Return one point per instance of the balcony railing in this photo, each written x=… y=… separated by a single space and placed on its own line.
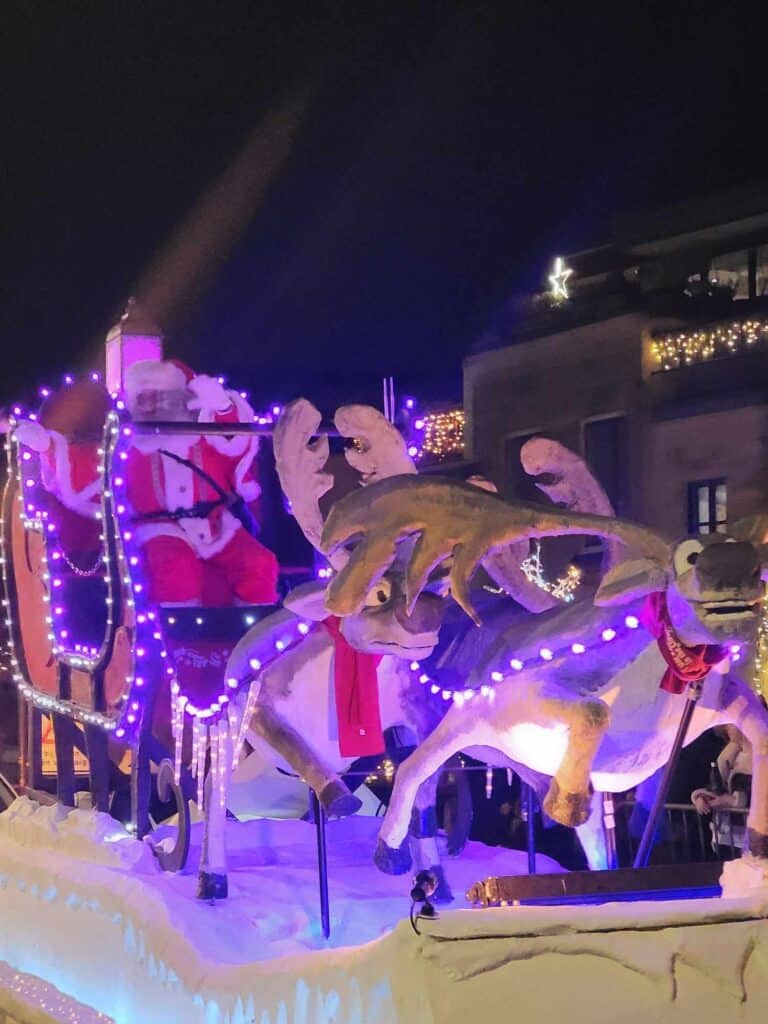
x=684 y=348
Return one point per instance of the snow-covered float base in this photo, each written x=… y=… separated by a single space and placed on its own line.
x=84 y=907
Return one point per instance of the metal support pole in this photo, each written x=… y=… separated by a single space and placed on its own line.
x=649 y=834
x=609 y=831
x=529 y=810
x=322 y=862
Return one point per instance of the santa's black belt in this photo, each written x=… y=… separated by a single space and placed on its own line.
x=199 y=511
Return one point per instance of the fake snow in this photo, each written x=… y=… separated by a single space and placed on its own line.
x=84 y=907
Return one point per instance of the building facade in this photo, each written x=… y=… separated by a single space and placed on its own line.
x=649 y=355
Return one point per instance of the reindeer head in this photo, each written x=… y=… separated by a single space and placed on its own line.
x=381 y=624
x=713 y=584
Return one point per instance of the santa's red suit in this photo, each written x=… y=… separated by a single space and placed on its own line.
x=176 y=548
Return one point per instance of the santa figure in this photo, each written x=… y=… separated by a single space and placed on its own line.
x=188 y=493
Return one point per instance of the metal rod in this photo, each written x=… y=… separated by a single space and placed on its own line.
x=609 y=831
x=649 y=833
x=322 y=862
x=187 y=427
x=530 y=826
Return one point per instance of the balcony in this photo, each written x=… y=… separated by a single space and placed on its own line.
x=700 y=369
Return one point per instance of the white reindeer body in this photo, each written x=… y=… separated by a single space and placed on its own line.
x=643 y=721
x=299 y=687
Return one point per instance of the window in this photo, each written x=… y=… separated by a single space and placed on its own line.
x=744 y=272
x=605 y=449
x=761 y=271
x=732 y=270
x=707 y=506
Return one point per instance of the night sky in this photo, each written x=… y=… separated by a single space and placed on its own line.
x=313 y=196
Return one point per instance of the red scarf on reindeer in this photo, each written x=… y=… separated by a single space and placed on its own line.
x=356 y=686
x=685 y=664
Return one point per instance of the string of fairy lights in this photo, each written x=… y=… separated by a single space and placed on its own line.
x=684 y=348
x=434 y=436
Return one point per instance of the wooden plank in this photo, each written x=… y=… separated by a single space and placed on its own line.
x=575 y=885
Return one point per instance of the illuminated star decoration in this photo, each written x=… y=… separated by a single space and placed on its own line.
x=559 y=280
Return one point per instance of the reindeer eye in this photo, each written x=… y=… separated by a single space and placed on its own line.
x=379 y=595
x=686 y=555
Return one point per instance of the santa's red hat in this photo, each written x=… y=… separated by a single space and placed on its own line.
x=156 y=375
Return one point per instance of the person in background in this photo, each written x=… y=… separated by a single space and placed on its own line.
x=729 y=790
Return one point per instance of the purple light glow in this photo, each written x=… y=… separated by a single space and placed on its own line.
x=69 y=379
x=409 y=403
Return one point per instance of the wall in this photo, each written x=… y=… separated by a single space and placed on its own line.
x=732 y=443
x=551 y=385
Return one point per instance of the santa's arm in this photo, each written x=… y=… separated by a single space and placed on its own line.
x=215 y=404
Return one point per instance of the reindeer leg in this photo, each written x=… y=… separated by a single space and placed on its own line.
x=422 y=838
x=332 y=792
x=452 y=734
x=591 y=835
x=569 y=798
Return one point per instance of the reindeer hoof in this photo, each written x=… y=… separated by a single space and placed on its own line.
x=392 y=860
x=442 y=893
x=757 y=844
x=211 y=886
x=337 y=800
x=570 y=809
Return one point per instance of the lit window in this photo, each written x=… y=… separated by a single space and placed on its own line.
x=762 y=271
x=707 y=506
x=731 y=270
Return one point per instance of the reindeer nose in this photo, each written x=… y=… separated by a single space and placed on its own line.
x=728 y=566
x=426 y=616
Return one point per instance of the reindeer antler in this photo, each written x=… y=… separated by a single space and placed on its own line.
x=300 y=462
x=567 y=480
x=380 y=450
x=450 y=518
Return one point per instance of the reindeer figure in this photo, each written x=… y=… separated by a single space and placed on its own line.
x=294 y=656
x=572 y=695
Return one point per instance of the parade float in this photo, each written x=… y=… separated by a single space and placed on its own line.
x=145 y=625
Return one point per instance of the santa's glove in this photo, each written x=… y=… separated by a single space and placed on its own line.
x=208 y=394
x=32 y=435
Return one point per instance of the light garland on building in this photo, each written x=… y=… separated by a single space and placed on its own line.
x=687 y=347
x=434 y=436
x=760 y=671
x=563 y=588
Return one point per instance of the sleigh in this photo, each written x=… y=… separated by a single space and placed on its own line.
x=94 y=661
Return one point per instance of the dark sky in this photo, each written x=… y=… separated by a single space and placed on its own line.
x=316 y=195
